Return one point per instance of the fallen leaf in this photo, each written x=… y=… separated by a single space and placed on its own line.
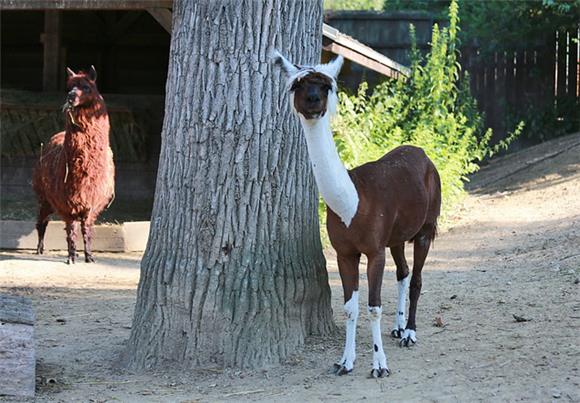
x=521 y=318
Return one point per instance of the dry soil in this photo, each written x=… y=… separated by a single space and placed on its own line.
x=513 y=249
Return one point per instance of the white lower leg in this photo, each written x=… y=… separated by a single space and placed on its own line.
x=351 y=312
x=379 y=357
x=400 y=321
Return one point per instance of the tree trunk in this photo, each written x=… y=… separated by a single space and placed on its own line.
x=233 y=274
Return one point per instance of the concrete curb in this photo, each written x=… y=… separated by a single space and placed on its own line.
x=126 y=237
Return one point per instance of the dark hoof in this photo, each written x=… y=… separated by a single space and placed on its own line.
x=340 y=370
x=39 y=251
x=89 y=259
x=380 y=373
x=397 y=333
x=70 y=260
x=407 y=342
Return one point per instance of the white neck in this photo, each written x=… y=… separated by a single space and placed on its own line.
x=334 y=183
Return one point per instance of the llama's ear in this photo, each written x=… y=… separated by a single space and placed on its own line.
x=93 y=74
x=69 y=72
x=334 y=66
x=286 y=65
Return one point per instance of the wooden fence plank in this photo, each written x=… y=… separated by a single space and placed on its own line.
x=561 y=72
x=51 y=57
x=510 y=83
x=573 y=68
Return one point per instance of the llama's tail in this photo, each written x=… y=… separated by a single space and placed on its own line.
x=428 y=231
x=434 y=231
x=433 y=188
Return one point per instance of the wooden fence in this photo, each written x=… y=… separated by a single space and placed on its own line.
x=540 y=85
x=387 y=33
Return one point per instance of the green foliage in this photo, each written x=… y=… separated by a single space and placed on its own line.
x=498 y=25
x=432 y=109
x=376 y=5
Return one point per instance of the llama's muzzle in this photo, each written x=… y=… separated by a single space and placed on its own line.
x=73 y=97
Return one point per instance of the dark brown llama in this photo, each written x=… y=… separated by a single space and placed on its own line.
x=383 y=203
x=75 y=175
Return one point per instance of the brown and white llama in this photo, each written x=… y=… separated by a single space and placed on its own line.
x=380 y=204
x=75 y=175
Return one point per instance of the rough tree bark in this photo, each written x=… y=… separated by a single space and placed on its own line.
x=233 y=274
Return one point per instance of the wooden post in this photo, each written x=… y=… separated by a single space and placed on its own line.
x=163 y=16
x=560 y=81
x=574 y=65
x=17 y=361
x=51 y=73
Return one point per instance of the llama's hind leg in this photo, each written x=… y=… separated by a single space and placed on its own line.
x=71 y=237
x=375 y=270
x=422 y=243
x=398 y=253
x=87 y=231
x=348 y=269
x=44 y=213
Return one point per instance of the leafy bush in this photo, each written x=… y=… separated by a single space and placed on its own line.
x=432 y=109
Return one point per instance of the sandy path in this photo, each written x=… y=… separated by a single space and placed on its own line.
x=514 y=248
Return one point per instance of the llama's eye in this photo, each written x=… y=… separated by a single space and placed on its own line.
x=295 y=86
x=327 y=88
x=86 y=88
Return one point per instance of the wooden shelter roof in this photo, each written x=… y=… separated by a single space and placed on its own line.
x=334 y=40
x=84 y=4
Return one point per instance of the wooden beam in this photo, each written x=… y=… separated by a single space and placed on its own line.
x=352 y=49
x=116 y=31
x=362 y=60
x=163 y=16
x=84 y=4
x=51 y=39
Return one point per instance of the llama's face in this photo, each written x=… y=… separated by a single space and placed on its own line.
x=311 y=95
x=312 y=89
x=81 y=88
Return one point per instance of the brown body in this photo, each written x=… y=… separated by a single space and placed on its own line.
x=398 y=195
x=399 y=201
x=74 y=176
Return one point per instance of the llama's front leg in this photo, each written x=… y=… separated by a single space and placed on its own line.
x=380 y=368
x=398 y=253
x=71 y=236
x=348 y=268
x=422 y=243
x=375 y=270
x=87 y=231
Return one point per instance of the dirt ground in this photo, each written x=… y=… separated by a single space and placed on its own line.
x=512 y=249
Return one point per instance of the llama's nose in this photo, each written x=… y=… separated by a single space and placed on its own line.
x=313 y=98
